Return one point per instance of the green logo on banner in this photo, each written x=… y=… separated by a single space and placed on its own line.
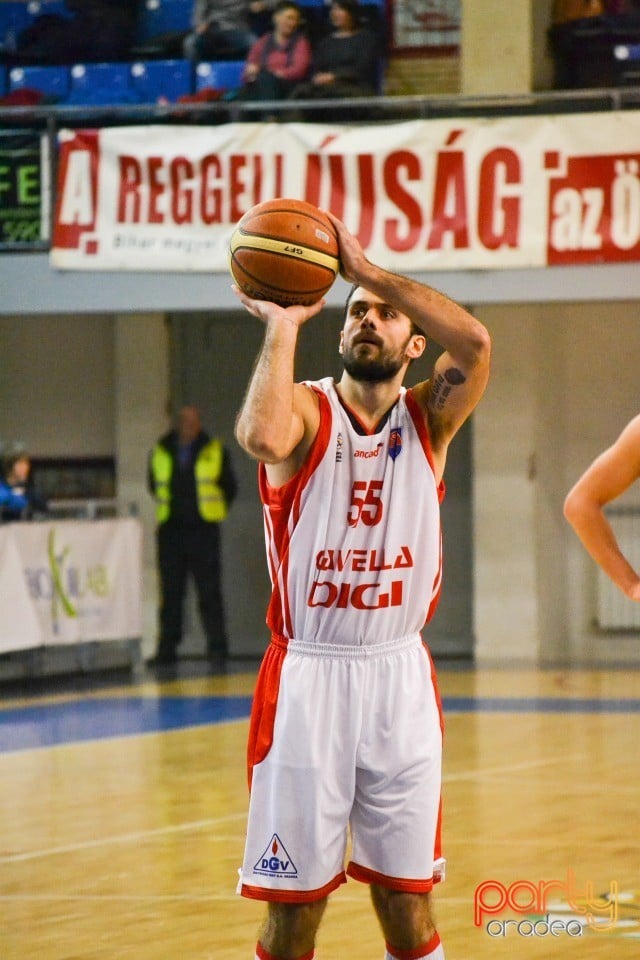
x=21 y=184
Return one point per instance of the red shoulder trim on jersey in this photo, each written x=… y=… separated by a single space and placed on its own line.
x=423 y=432
x=281 y=496
x=281 y=513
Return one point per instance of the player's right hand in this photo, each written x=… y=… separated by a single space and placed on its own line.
x=272 y=312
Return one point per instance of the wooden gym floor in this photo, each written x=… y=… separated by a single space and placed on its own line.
x=122 y=816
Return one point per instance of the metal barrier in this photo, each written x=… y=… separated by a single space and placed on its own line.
x=48 y=120
x=99 y=508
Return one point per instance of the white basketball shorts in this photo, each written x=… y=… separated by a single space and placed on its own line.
x=345 y=748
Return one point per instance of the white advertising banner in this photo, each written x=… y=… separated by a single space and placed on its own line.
x=70 y=582
x=433 y=194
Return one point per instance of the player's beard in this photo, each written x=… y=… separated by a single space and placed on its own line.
x=367 y=369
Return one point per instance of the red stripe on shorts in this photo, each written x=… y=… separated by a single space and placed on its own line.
x=265 y=702
x=403 y=884
x=292 y=896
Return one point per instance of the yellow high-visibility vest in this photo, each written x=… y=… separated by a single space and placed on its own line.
x=212 y=504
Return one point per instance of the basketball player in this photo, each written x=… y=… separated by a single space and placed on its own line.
x=610 y=474
x=346 y=726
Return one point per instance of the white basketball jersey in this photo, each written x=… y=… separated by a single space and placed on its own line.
x=353 y=539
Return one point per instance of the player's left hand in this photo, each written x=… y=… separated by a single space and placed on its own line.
x=353 y=261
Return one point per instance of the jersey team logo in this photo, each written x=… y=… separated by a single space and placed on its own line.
x=395 y=442
x=275 y=861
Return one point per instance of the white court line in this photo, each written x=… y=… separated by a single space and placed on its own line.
x=115 y=898
x=123 y=838
x=341 y=898
x=204 y=824
x=511 y=768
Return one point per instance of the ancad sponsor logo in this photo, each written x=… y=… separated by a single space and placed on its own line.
x=551 y=908
x=66 y=584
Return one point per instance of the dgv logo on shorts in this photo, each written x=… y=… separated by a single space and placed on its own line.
x=275 y=861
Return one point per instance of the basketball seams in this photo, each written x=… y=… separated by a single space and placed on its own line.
x=276 y=293
x=259 y=235
x=271 y=245
x=292 y=206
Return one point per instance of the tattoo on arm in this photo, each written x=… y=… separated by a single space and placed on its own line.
x=443 y=385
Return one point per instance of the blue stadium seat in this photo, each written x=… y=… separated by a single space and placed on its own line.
x=627 y=64
x=219 y=75
x=54 y=82
x=39 y=7
x=162 y=79
x=14 y=17
x=160 y=17
x=101 y=84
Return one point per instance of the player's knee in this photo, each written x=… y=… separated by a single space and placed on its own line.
x=406 y=918
x=292 y=925
x=298 y=914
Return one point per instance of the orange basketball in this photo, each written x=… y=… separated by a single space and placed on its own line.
x=285 y=251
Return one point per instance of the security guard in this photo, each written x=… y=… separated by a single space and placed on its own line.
x=192 y=480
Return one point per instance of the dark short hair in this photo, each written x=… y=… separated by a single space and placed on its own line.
x=287 y=5
x=352 y=7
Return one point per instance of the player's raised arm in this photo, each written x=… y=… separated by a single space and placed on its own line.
x=460 y=375
x=278 y=417
x=610 y=474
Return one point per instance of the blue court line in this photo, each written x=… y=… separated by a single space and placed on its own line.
x=539 y=705
x=47 y=725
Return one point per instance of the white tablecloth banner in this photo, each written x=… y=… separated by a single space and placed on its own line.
x=69 y=582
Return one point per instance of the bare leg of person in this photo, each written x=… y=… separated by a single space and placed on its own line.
x=407 y=923
x=290 y=930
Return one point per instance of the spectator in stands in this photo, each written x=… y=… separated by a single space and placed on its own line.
x=95 y=31
x=565 y=10
x=346 y=61
x=583 y=36
x=279 y=59
x=18 y=498
x=222 y=29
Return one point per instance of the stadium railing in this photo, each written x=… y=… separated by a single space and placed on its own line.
x=49 y=119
